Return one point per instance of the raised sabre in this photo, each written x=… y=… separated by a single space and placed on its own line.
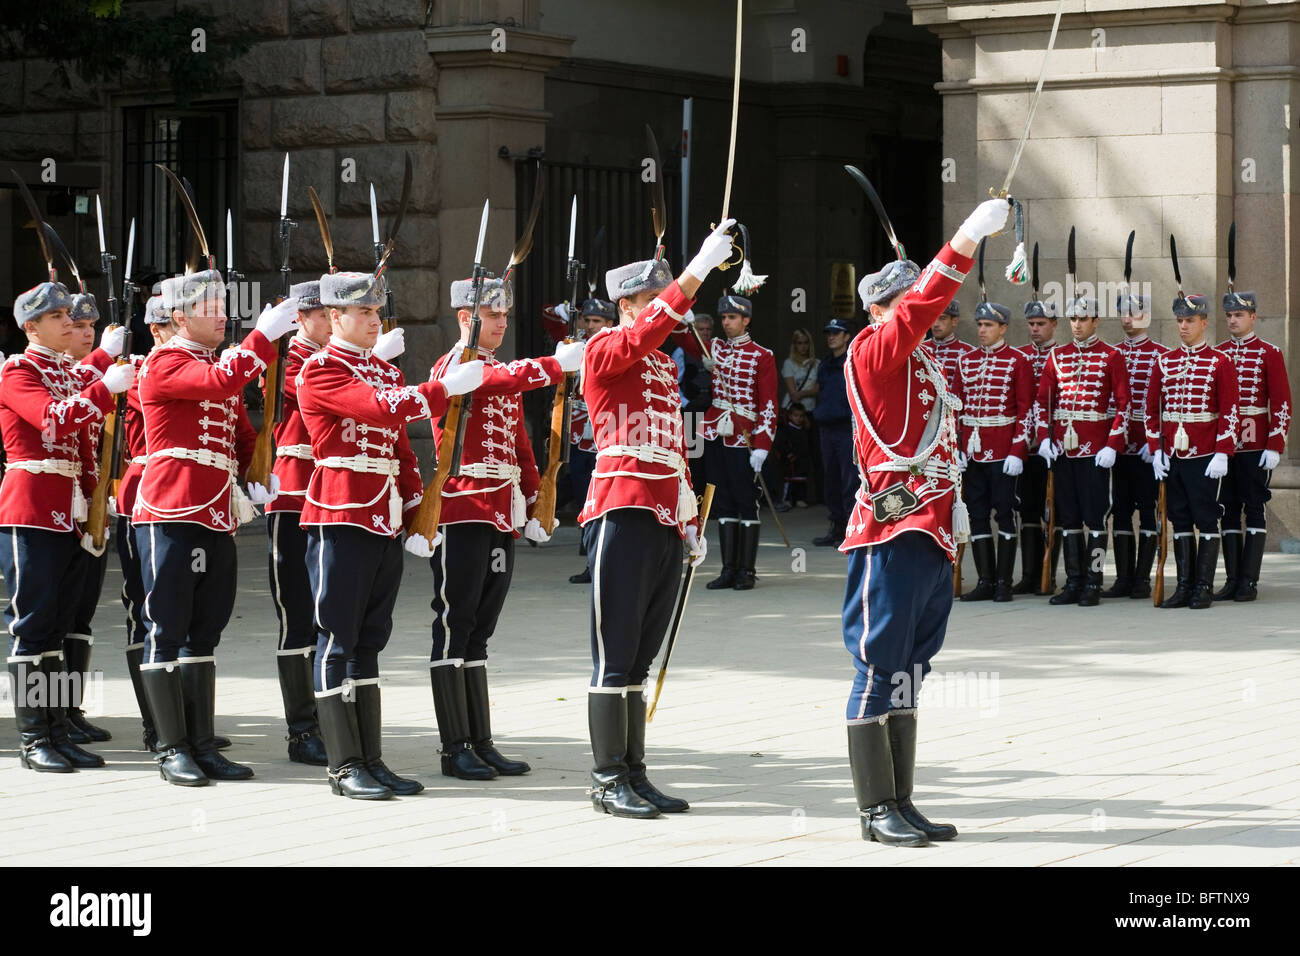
x=864 y=183
x=1033 y=107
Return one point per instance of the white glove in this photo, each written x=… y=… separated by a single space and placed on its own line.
x=709 y=364
x=756 y=458
x=962 y=461
x=714 y=251
x=119 y=378
x=1046 y=451
x=113 y=339
x=1160 y=465
x=699 y=546
x=465 y=377
x=1269 y=460
x=1106 y=457
x=112 y=506
x=569 y=355
x=259 y=494
x=419 y=546
x=390 y=344
x=276 y=321
x=689 y=317
x=534 y=531
x=562 y=310
x=1145 y=454
x=1012 y=465
x=988 y=217
x=1218 y=466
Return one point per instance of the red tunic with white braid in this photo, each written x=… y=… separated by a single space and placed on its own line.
x=898 y=390
x=133 y=446
x=995 y=386
x=88 y=370
x=1264 y=394
x=949 y=352
x=580 y=434
x=197 y=434
x=1191 y=406
x=1140 y=355
x=1083 y=393
x=497 y=457
x=355 y=408
x=293 y=461
x=44 y=410
x=744 y=390
x=636 y=415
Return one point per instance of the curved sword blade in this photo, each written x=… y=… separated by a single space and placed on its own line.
x=658 y=206
x=188 y=206
x=861 y=179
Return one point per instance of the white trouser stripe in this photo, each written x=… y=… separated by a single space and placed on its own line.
x=151 y=639
x=275 y=579
x=13 y=598
x=320 y=580
x=442 y=597
x=596 y=571
x=862 y=641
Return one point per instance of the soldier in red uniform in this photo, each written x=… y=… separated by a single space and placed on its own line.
x=1191 y=427
x=1133 y=486
x=949 y=349
x=1082 y=421
x=907 y=521
x=995 y=386
x=1040 y=317
x=44 y=407
x=738 y=430
x=363 y=491
x=483 y=509
x=161 y=327
x=597 y=314
x=638 y=511
x=188 y=503
x=1264 y=405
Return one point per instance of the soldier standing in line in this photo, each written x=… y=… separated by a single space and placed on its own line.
x=363 y=491
x=738 y=430
x=483 y=510
x=949 y=349
x=995 y=385
x=597 y=314
x=1133 y=486
x=1080 y=437
x=1264 y=405
x=1191 y=427
x=1040 y=317
x=44 y=407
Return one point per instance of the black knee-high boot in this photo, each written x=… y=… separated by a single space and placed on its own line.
x=902 y=745
x=871 y=762
x=611 y=786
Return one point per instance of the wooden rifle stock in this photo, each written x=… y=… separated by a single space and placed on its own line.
x=956 y=571
x=1045 y=585
x=1162 y=515
x=97 y=513
x=428 y=515
x=544 y=507
x=259 y=469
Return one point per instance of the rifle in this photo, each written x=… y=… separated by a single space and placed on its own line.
x=562 y=405
x=425 y=523
x=259 y=470
x=111 y=442
x=382 y=249
x=1047 y=585
x=705 y=505
x=1162 y=499
x=232 y=277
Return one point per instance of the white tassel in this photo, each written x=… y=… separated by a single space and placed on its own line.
x=240 y=505
x=1181 y=441
x=518 y=507
x=1071 y=437
x=394 y=507
x=747 y=282
x=687 y=508
x=1018 y=268
x=973 y=446
x=960 y=518
x=79 y=510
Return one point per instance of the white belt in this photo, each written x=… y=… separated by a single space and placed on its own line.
x=988 y=421
x=1063 y=416
x=1189 y=417
x=746 y=410
x=491 y=469
x=47 y=466
x=687 y=508
x=302 y=452
x=140 y=460
x=1252 y=410
x=213 y=459
x=724 y=424
x=362 y=463
x=1134 y=416
x=931 y=469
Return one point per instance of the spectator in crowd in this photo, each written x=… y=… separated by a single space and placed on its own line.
x=835 y=423
x=792 y=451
x=799 y=372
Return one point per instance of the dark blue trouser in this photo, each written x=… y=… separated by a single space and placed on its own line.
x=840 y=475
x=1193 y=499
x=989 y=492
x=1133 y=488
x=1245 y=488
x=1082 y=494
x=728 y=469
x=636 y=566
x=291 y=593
x=41 y=569
x=355 y=576
x=189 y=576
x=90 y=569
x=472 y=569
x=896 y=604
x=132 y=583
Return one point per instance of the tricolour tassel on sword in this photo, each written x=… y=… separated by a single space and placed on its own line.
x=747 y=282
x=1018 y=269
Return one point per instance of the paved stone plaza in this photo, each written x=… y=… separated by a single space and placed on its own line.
x=1110 y=736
